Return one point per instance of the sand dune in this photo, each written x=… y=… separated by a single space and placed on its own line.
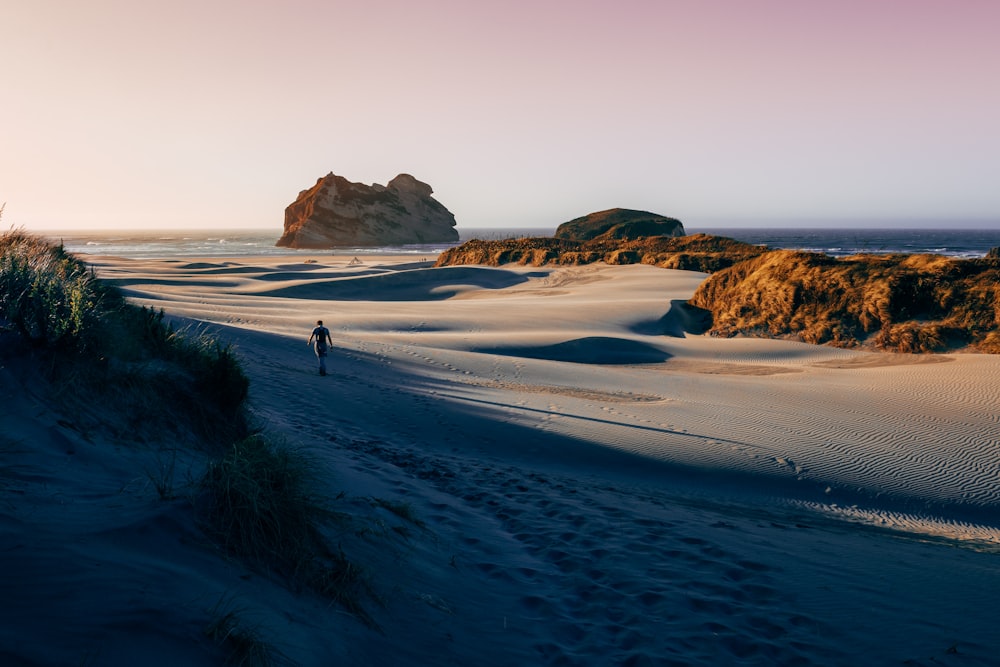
x=407 y=285
x=598 y=485
x=590 y=350
x=871 y=428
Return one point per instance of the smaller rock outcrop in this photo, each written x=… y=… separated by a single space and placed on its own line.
x=619 y=223
x=336 y=212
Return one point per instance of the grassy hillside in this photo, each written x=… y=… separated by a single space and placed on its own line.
x=697 y=252
x=89 y=341
x=899 y=303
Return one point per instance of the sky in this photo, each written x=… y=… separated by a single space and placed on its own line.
x=203 y=114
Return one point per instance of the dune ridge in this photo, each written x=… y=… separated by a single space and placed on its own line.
x=897 y=303
x=503 y=322
x=517 y=499
x=694 y=252
x=903 y=303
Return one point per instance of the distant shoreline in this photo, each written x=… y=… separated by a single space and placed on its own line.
x=835 y=242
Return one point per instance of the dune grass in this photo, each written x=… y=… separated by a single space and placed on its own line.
x=242 y=642
x=45 y=295
x=257 y=502
x=185 y=388
x=92 y=342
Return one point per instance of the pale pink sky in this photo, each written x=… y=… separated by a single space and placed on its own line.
x=205 y=114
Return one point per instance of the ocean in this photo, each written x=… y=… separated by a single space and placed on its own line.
x=838 y=242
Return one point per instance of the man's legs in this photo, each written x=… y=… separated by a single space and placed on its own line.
x=322 y=363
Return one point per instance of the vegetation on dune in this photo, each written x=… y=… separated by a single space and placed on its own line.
x=242 y=641
x=256 y=497
x=258 y=503
x=697 y=252
x=899 y=303
x=45 y=295
x=93 y=342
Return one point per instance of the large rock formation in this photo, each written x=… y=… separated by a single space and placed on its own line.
x=619 y=223
x=337 y=212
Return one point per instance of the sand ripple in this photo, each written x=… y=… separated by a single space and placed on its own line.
x=598 y=487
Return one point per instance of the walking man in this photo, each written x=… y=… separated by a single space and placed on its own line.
x=323 y=343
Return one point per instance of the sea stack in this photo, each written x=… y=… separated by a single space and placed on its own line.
x=336 y=212
x=619 y=223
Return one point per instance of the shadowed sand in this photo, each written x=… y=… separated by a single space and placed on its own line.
x=596 y=483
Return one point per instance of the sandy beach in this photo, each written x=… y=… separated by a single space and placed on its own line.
x=589 y=484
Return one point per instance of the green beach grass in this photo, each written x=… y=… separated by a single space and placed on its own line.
x=255 y=499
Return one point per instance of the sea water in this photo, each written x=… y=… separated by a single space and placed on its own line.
x=837 y=242
x=243 y=242
x=840 y=242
